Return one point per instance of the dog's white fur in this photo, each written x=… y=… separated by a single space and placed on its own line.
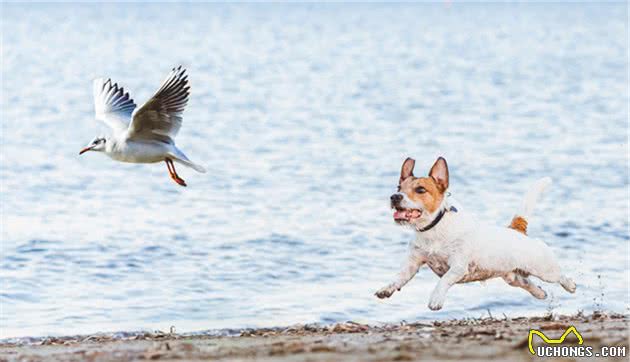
x=461 y=249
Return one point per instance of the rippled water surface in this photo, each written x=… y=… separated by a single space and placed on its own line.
x=302 y=115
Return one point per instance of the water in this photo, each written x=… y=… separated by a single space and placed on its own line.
x=302 y=115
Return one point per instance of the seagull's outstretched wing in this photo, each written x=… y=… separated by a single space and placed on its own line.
x=112 y=105
x=160 y=118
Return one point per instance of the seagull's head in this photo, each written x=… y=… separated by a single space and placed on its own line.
x=98 y=144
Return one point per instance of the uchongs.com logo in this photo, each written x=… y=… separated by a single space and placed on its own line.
x=554 y=347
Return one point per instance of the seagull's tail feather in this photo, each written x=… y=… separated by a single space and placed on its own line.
x=180 y=157
x=194 y=166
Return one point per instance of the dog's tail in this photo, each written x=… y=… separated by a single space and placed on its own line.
x=519 y=221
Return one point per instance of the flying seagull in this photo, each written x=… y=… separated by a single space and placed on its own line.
x=145 y=134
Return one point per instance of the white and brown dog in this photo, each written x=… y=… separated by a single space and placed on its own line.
x=460 y=249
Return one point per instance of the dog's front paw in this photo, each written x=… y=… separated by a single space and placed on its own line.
x=436 y=302
x=387 y=291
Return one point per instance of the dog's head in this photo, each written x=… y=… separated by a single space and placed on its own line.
x=419 y=198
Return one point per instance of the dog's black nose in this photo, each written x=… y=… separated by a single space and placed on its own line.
x=396 y=198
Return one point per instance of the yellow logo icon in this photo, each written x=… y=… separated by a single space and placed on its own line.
x=540 y=334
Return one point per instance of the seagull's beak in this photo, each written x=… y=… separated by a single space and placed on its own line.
x=89 y=148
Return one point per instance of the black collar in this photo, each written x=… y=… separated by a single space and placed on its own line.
x=437 y=219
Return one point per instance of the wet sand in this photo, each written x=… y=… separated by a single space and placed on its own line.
x=471 y=339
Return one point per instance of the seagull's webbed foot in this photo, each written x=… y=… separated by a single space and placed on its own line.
x=173 y=173
x=179 y=180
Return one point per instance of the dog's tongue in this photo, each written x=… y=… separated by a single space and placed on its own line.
x=400 y=215
x=406 y=214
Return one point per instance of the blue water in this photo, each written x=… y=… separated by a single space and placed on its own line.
x=302 y=115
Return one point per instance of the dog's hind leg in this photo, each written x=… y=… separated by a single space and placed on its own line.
x=567 y=284
x=520 y=281
x=554 y=276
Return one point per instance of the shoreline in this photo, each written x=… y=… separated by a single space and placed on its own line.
x=476 y=338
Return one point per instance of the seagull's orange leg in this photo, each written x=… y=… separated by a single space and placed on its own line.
x=173 y=173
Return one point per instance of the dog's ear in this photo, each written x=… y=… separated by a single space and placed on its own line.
x=407 y=169
x=439 y=172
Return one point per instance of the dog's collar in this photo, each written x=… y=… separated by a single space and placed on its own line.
x=437 y=219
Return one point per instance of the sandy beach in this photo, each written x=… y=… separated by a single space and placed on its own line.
x=472 y=339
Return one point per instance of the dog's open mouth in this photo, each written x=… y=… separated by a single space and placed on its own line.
x=406 y=214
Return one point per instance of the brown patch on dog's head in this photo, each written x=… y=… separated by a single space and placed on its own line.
x=423 y=194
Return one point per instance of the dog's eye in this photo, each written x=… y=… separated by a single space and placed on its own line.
x=420 y=190
x=398 y=188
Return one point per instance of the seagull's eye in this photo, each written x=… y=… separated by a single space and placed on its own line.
x=420 y=190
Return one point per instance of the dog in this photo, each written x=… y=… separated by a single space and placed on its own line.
x=459 y=248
